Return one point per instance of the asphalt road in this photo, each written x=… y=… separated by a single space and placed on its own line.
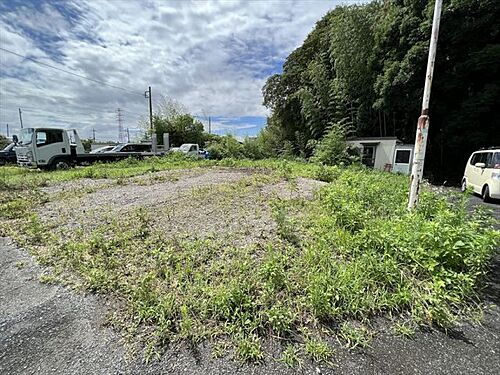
x=50 y=329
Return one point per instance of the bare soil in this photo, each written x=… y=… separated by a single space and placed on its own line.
x=189 y=203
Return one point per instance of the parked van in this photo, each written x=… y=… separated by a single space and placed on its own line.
x=482 y=174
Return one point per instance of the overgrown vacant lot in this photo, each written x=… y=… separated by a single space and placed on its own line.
x=239 y=252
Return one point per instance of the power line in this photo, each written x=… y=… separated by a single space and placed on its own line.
x=96 y=111
x=59 y=98
x=68 y=72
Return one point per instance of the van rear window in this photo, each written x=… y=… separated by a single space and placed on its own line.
x=495 y=163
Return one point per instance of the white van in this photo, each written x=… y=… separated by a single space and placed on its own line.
x=482 y=174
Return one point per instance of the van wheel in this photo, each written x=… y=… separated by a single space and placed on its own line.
x=486 y=194
x=464 y=186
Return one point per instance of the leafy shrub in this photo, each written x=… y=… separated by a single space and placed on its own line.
x=333 y=149
x=225 y=147
x=326 y=173
x=254 y=148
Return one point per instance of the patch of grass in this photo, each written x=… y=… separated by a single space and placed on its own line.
x=47 y=278
x=318 y=350
x=281 y=319
x=291 y=356
x=13 y=177
x=354 y=252
x=403 y=328
x=220 y=349
x=248 y=349
x=355 y=335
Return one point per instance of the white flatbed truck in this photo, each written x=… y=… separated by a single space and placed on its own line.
x=55 y=148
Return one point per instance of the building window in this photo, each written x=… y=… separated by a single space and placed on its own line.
x=403 y=156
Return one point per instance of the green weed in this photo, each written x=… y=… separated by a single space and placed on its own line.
x=318 y=350
x=406 y=329
x=355 y=335
x=248 y=348
x=291 y=356
x=351 y=253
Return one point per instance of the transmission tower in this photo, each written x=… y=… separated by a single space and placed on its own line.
x=119 y=118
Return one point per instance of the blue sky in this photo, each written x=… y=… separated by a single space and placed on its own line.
x=211 y=56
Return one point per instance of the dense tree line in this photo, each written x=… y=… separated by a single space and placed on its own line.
x=363 y=67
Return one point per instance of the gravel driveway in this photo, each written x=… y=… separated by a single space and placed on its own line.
x=51 y=329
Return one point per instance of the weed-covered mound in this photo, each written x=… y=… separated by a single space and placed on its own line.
x=365 y=253
x=351 y=253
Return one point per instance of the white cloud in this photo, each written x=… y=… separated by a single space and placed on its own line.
x=212 y=56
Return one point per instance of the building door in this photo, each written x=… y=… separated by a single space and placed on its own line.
x=402 y=160
x=368 y=156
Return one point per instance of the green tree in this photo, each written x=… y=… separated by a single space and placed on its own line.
x=333 y=149
x=87 y=144
x=172 y=117
x=364 y=66
x=181 y=128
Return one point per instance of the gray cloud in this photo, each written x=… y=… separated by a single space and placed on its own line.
x=211 y=56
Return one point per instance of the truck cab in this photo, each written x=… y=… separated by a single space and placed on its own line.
x=48 y=147
x=190 y=149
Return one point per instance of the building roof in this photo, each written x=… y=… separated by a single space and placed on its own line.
x=374 y=139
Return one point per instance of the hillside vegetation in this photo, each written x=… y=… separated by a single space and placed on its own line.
x=363 y=67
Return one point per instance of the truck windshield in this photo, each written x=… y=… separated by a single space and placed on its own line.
x=25 y=136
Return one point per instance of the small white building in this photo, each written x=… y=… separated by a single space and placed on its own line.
x=385 y=153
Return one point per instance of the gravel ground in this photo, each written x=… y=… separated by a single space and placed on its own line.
x=50 y=329
x=194 y=203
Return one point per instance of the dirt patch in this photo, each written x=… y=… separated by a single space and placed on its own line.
x=73 y=185
x=196 y=203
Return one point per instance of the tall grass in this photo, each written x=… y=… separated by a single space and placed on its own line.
x=356 y=252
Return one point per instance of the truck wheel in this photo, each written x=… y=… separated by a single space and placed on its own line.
x=464 y=185
x=486 y=194
x=60 y=165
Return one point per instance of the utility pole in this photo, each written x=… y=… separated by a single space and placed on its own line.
x=128 y=136
x=119 y=118
x=209 y=125
x=423 y=121
x=21 y=117
x=147 y=94
x=93 y=134
x=7 y=130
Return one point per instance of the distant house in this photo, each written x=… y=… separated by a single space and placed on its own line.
x=385 y=153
